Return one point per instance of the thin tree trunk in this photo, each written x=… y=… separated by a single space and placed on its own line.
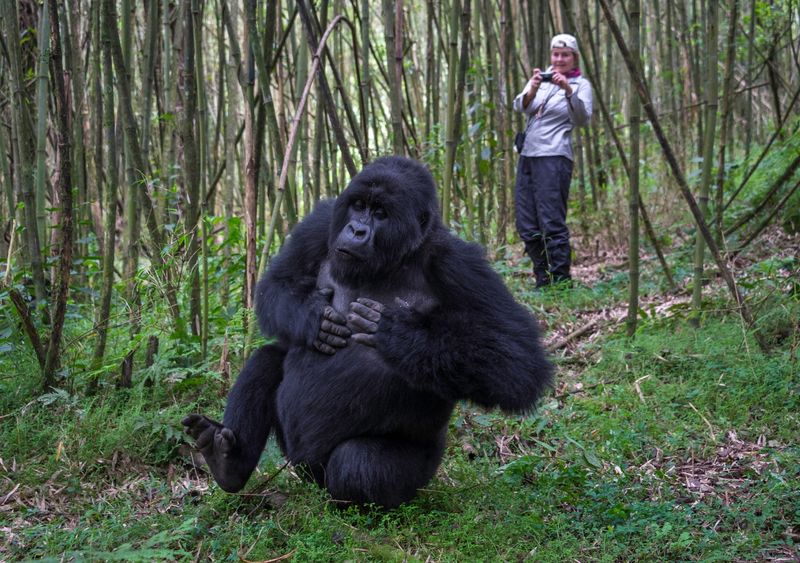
x=454 y=98
x=258 y=56
x=231 y=183
x=751 y=42
x=109 y=200
x=708 y=156
x=8 y=183
x=97 y=133
x=21 y=145
x=429 y=70
x=301 y=148
x=40 y=179
x=504 y=123
x=397 y=69
x=191 y=164
x=487 y=175
x=727 y=103
x=201 y=293
x=63 y=186
x=133 y=204
x=151 y=34
x=250 y=184
x=390 y=17
x=365 y=85
x=633 y=177
x=74 y=69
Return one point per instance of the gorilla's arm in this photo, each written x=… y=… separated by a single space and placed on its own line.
x=288 y=305
x=478 y=343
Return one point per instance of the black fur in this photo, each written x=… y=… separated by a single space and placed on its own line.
x=384 y=320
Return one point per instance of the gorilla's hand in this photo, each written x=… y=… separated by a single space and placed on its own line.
x=212 y=439
x=333 y=332
x=363 y=319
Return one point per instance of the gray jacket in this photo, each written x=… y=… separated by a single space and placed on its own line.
x=554 y=116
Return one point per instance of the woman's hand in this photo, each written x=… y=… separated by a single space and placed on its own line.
x=561 y=81
x=534 y=82
x=536 y=79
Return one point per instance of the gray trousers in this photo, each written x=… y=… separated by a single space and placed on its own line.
x=541 y=194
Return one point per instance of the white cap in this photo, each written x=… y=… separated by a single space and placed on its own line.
x=564 y=41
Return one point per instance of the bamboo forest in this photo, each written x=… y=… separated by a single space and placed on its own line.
x=158 y=158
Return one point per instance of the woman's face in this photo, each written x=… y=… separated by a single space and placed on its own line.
x=563 y=60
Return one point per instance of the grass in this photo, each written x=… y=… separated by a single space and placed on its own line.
x=680 y=444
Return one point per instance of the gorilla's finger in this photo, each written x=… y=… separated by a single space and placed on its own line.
x=205 y=438
x=333 y=315
x=195 y=424
x=360 y=325
x=320 y=346
x=366 y=339
x=371 y=303
x=338 y=329
x=224 y=441
x=369 y=313
x=326 y=292
x=332 y=339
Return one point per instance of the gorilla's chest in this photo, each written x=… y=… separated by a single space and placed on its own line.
x=404 y=289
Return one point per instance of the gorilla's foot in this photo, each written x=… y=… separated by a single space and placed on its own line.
x=218 y=445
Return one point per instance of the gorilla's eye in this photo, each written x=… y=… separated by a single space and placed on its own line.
x=380 y=213
x=359 y=205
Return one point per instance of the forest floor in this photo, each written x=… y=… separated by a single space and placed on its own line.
x=678 y=444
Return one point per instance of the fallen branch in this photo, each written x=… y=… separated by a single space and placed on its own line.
x=577 y=333
x=558 y=344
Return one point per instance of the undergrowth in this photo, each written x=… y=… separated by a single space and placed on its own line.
x=678 y=444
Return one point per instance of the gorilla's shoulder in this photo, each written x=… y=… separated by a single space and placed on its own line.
x=446 y=245
x=452 y=257
x=307 y=243
x=318 y=221
x=314 y=228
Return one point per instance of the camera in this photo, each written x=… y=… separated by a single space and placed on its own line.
x=546 y=76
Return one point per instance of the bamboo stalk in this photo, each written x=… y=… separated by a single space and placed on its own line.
x=634 y=118
x=708 y=157
x=64 y=189
x=109 y=201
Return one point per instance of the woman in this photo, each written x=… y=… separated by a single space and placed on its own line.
x=555 y=101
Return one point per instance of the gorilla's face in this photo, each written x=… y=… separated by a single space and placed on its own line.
x=365 y=219
x=383 y=216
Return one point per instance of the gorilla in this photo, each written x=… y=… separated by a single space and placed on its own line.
x=383 y=320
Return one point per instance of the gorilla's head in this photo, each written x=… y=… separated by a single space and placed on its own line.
x=386 y=213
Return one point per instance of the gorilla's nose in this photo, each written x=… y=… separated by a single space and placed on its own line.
x=358 y=231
